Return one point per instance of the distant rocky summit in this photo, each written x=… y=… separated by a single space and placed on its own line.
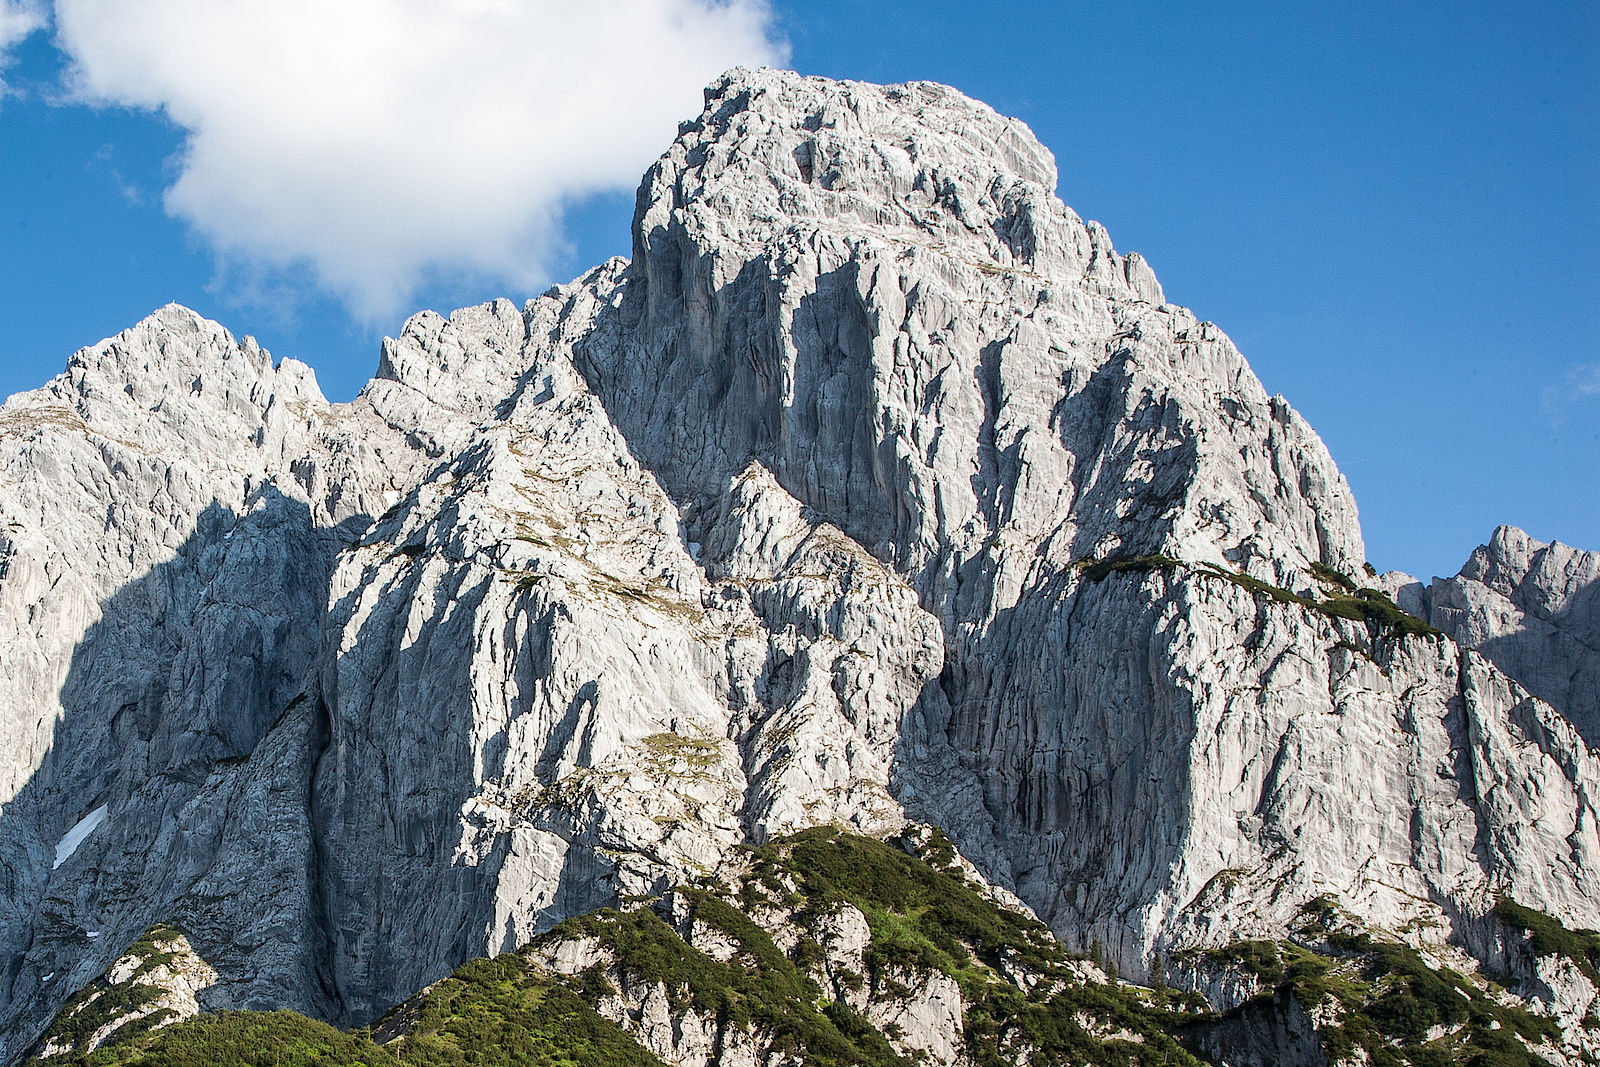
x=876 y=490
x=1533 y=610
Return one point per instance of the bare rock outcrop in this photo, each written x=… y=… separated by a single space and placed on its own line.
x=1533 y=609
x=877 y=485
x=157 y=982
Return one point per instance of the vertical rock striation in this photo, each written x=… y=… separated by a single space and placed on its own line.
x=1534 y=610
x=876 y=485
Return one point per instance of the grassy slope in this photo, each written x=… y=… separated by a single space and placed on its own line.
x=924 y=918
x=1385 y=1002
x=489 y=1012
x=1378 y=998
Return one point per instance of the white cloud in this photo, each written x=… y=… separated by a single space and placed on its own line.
x=1576 y=386
x=376 y=141
x=18 y=19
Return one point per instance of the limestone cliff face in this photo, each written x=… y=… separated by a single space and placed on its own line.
x=876 y=484
x=1534 y=610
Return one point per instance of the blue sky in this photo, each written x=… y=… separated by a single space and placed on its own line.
x=1393 y=209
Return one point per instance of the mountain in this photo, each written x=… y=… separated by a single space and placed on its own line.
x=830 y=948
x=1534 y=611
x=876 y=488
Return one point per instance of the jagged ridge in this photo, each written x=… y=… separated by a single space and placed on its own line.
x=831 y=949
x=794 y=519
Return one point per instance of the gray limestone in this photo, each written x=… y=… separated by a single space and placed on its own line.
x=1534 y=610
x=788 y=520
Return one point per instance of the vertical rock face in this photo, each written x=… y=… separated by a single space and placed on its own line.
x=876 y=485
x=173 y=507
x=1534 y=610
x=874 y=290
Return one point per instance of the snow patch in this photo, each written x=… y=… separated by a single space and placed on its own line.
x=74 y=837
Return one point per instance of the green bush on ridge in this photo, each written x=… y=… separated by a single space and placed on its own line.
x=1378 y=998
x=1387 y=999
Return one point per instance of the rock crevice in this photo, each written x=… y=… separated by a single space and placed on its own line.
x=877 y=485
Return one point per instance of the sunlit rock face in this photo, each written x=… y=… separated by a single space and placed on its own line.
x=877 y=485
x=1534 y=610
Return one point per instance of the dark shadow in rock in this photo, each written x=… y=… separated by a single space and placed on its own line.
x=1271 y=1031
x=185 y=718
x=388 y=794
x=1055 y=720
x=1556 y=656
x=413 y=856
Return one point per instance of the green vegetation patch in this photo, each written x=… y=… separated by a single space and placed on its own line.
x=1100 y=569
x=1260 y=588
x=1548 y=937
x=922 y=916
x=1388 y=999
x=760 y=988
x=506 y=1011
x=1049 y=1022
x=1347 y=600
x=1370 y=607
x=101 y=1003
x=1028 y=999
x=1324 y=573
x=98 y=1005
x=248 y=1039
x=1377 y=611
x=1367 y=606
x=926 y=917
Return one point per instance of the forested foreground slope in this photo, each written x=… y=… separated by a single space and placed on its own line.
x=829 y=948
x=876 y=489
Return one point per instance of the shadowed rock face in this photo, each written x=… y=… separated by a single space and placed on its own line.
x=1534 y=610
x=787 y=521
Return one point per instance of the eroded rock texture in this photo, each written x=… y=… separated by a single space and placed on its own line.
x=1534 y=610
x=792 y=519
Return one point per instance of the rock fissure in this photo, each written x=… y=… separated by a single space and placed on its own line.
x=877 y=478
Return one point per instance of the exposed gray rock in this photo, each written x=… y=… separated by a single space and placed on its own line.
x=1274 y=1031
x=922 y=1011
x=160 y=981
x=872 y=292
x=1534 y=610
x=793 y=519
x=1555 y=985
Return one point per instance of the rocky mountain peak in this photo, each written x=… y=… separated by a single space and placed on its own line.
x=1544 y=578
x=878 y=487
x=920 y=160
x=173 y=377
x=1534 y=610
x=174 y=352
x=873 y=291
x=465 y=363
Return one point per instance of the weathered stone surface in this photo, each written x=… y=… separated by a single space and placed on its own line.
x=1533 y=609
x=922 y=1011
x=872 y=292
x=160 y=981
x=789 y=520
